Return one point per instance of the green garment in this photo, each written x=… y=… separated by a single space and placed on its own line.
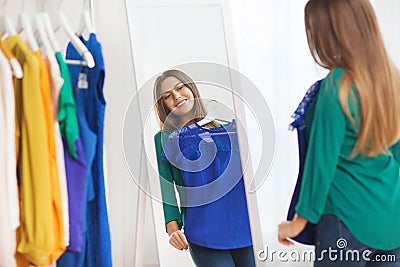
x=169 y=175
x=67 y=116
x=363 y=192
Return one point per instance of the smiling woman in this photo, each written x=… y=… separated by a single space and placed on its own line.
x=227 y=240
x=176 y=98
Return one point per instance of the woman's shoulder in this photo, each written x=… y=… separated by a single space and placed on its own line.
x=333 y=78
x=337 y=73
x=161 y=137
x=162 y=133
x=331 y=84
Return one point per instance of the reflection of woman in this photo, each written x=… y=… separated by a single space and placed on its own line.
x=217 y=233
x=351 y=185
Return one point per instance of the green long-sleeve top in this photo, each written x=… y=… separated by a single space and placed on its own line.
x=169 y=176
x=364 y=192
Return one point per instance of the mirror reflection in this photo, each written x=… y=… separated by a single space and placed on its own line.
x=195 y=174
x=200 y=156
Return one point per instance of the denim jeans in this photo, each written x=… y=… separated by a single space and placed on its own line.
x=336 y=246
x=208 y=257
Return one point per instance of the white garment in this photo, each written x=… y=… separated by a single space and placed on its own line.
x=56 y=82
x=9 y=202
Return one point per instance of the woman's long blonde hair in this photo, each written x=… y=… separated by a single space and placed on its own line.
x=168 y=122
x=345 y=33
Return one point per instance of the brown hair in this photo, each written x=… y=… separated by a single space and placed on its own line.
x=167 y=120
x=345 y=33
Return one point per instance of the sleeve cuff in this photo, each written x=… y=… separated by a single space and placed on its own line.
x=312 y=217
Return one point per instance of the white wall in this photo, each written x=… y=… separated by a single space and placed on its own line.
x=273 y=53
x=388 y=16
x=112 y=28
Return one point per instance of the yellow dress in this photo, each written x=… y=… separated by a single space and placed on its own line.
x=36 y=236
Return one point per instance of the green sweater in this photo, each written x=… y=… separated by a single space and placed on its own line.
x=169 y=175
x=363 y=192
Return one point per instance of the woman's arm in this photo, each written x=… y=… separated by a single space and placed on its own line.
x=170 y=205
x=172 y=215
x=328 y=131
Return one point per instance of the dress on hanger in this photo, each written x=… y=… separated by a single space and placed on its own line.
x=90 y=104
x=307 y=236
x=74 y=158
x=209 y=160
x=56 y=82
x=33 y=172
x=58 y=246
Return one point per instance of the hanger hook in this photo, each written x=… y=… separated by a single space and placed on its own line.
x=59 y=4
x=43 y=7
x=3 y=7
x=84 y=3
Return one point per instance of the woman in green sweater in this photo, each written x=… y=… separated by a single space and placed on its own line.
x=351 y=184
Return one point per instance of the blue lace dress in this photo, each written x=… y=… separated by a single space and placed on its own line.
x=209 y=160
x=307 y=236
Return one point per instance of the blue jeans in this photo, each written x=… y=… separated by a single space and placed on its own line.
x=336 y=247
x=208 y=257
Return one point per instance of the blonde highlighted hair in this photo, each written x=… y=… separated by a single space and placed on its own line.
x=345 y=33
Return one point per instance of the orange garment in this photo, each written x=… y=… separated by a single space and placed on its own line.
x=58 y=246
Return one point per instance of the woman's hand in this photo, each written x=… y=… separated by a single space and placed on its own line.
x=178 y=240
x=176 y=237
x=291 y=229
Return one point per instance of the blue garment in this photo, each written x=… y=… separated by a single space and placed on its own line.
x=208 y=257
x=90 y=103
x=337 y=247
x=209 y=160
x=307 y=236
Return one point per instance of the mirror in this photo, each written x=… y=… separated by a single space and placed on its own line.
x=193 y=37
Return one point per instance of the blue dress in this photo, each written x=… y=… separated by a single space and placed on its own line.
x=307 y=236
x=90 y=103
x=209 y=160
